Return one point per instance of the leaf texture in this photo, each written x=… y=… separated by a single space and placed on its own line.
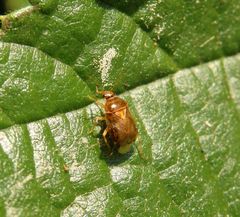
x=54 y=53
x=190 y=136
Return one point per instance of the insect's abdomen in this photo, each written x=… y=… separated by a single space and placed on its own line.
x=123 y=128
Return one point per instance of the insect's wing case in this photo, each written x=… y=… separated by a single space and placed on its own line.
x=123 y=128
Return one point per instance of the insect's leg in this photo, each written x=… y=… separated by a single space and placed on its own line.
x=95 y=123
x=100 y=118
x=105 y=132
x=105 y=137
x=99 y=104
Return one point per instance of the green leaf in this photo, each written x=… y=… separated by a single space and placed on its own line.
x=83 y=35
x=191 y=31
x=52 y=56
x=34 y=86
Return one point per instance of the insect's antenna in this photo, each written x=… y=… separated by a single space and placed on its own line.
x=98 y=91
x=97 y=103
x=91 y=98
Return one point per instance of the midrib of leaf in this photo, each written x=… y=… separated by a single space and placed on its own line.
x=13 y=123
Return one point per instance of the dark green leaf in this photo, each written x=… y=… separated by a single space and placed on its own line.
x=35 y=86
x=52 y=56
x=190 y=31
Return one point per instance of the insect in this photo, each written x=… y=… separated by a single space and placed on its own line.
x=120 y=126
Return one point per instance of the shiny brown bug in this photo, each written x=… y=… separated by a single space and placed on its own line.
x=120 y=126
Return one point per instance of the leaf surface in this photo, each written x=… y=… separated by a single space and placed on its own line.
x=52 y=56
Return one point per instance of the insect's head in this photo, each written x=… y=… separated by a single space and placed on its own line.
x=107 y=94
